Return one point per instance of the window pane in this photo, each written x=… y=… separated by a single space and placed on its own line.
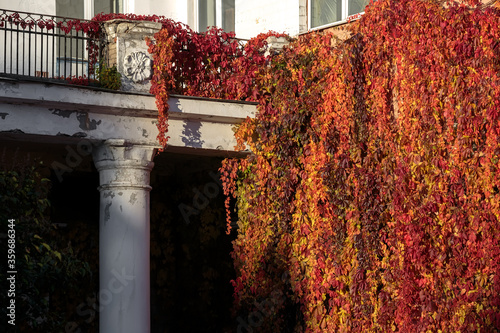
x=357 y=6
x=206 y=14
x=108 y=6
x=72 y=8
x=69 y=50
x=228 y=15
x=325 y=12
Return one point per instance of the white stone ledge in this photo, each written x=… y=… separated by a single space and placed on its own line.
x=182 y=107
x=73 y=98
x=50 y=111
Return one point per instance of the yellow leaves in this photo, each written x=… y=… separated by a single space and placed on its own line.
x=343 y=316
x=461 y=314
x=481 y=279
x=472 y=69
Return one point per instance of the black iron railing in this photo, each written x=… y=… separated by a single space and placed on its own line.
x=48 y=47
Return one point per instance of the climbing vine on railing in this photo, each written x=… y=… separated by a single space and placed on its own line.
x=371 y=202
x=212 y=64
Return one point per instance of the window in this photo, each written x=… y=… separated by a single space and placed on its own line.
x=66 y=8
x=325 y=12
x=208 y=13
x=71 y=49
x=86 y=9
x=108 y=6
x=228 y=15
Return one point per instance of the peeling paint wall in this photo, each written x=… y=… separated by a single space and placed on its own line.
x=69 y=112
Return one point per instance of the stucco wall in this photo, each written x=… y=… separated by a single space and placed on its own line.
x=174 y=9
x=251 y=17
x=254 y=17
x=34 y=6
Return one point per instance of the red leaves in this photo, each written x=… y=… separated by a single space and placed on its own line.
x=212 y=64
x=374 y=180
x=374 y=176
x=80 y=80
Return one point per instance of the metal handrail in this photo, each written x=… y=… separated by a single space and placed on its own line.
x=36 y=46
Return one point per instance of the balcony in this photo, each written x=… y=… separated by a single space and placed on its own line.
x=49 y=48
x=38 y=52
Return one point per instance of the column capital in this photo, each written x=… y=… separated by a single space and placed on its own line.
x=123 y=165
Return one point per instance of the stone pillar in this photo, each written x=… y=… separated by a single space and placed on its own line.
x=128 y=51
x=275 y=45
x=124 y=299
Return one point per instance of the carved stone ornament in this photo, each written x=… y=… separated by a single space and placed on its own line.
x=137 y=66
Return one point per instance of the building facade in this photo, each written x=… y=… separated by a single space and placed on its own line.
x=246 y=18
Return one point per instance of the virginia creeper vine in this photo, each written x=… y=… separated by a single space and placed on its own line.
x=374 y=179
x=371 y=200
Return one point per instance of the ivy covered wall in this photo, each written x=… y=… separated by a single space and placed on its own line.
x=371 y=202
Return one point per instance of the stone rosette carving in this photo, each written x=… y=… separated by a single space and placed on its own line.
x=137 y=66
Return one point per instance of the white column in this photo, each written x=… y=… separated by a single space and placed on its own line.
x=218 y=13
x=88 y=9
x=124 y=297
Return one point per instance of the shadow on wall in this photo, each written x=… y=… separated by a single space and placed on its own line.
x=192 y=135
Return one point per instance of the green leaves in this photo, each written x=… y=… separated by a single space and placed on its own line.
x=46 y=267
x=109 y=77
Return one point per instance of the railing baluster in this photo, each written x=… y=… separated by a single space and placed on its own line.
x=58 y=63
x=53 y=46
x=47 y=56
x=83 y=55
x=10 y=54
x=41 y=52
x=71 y=55
x=5 y=49
x=36 y=47
x=76 y=54
x=24 y=52
x=85 y=70
x=17 y=50
x=65 y=55
x=29 y=51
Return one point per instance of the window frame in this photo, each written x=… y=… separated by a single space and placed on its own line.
x=346 y=18
x=219 y=21
x=88 y=8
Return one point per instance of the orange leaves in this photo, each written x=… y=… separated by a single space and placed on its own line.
x=373 y=183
